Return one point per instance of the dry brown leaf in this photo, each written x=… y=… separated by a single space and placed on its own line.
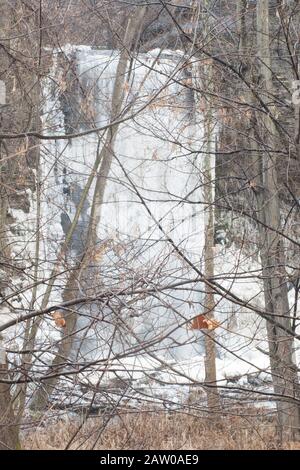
x=59 y=319
x=202 y=323
x=252 y=184
x=98 y=253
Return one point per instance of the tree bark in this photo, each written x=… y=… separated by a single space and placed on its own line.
x=213 y=397
x=284 y=372
x=4 y=64
x=9 y=436
x=9 y=429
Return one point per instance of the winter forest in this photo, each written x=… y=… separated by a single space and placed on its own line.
x=149 y=224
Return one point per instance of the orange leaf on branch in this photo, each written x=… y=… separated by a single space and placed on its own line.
x=201 y=322
x=59 y=319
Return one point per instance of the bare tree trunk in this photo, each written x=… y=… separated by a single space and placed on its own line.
x=262 y=134
x=213 y=398
x=284 y=372
x=29 y=338
x=9 y=429
x=241 y=9
x=108 y=148
x=9 y=435
x=4 y=63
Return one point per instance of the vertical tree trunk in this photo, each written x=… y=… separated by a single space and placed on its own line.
x=9 y=438
x=284 y=372
x=241 y=9
x=9 y=430
x=29 y=338
x=213 y=397
x=4 y=63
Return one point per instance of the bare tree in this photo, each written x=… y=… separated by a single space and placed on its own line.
x=123 y=160
x=284 y=371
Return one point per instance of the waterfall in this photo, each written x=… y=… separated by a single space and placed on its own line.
x=158 y=151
